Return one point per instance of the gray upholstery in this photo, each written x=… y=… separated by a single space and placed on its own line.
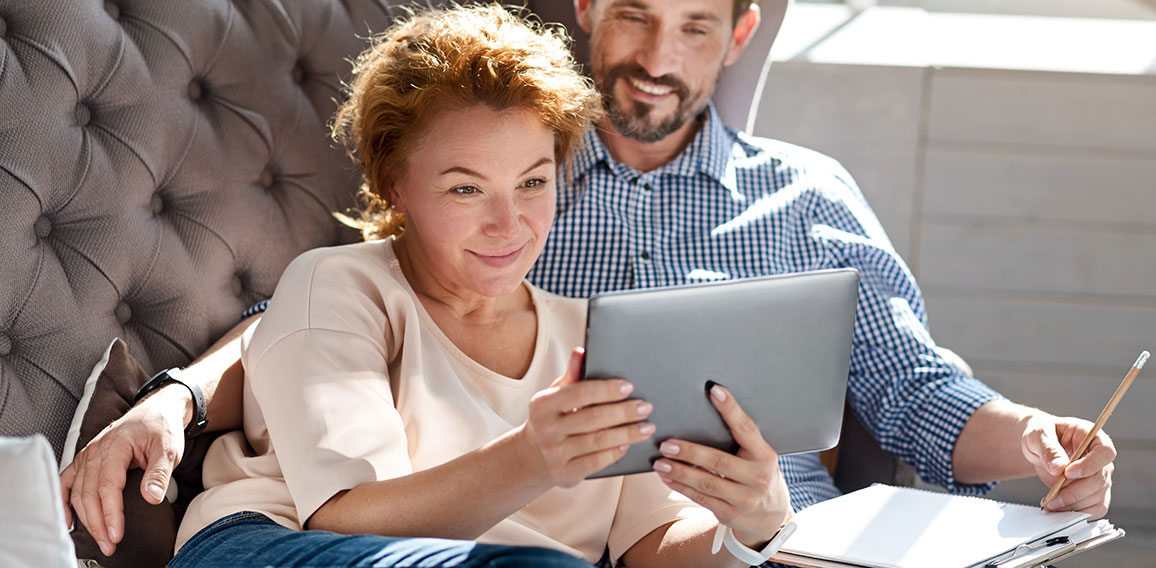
x=161 y=161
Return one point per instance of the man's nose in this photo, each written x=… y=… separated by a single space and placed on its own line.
x=657 y=55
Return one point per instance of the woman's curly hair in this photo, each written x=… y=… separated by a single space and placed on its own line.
x=454 y=58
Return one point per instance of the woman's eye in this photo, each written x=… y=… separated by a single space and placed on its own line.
x=465 y=190
x=534 y=183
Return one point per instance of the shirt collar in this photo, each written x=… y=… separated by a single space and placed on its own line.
x=709 y=153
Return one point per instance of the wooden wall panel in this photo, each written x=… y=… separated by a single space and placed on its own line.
x=1044 y=110
x=999 y=255
x=1042 y=332
x=1071 y=186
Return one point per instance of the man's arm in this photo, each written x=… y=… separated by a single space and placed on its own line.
x=1003 y=440
x=151 y=436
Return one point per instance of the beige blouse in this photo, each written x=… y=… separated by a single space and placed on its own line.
x=348 y=381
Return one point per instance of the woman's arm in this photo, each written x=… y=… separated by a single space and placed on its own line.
x=574 y=429
x=745 y=491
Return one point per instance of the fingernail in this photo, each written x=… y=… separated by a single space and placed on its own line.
x=1056 y=503
x=646 y=429
x=717 y=393
x=664 y=478
x=662 y=467
x=669 y=448
x=155 y=491
x=104 y=549
x=114 y=534
x=625 y=387
x=644 y=408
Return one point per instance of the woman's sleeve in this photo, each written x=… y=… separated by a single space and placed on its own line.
x=321 y=383
x=644 y=504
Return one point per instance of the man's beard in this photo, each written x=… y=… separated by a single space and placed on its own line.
x=635 y=124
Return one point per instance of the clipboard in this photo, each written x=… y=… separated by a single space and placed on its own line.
x=897 y=527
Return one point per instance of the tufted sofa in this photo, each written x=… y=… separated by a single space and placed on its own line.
x=160 y=164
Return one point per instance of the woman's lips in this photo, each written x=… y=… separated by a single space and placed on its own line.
x=499 y=259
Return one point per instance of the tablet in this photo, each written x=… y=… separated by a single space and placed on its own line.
x=780 y=344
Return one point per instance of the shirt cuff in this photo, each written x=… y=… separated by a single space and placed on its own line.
x=939 y=426
x=255 y=309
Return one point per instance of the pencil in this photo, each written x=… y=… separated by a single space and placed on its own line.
x=1104 y=414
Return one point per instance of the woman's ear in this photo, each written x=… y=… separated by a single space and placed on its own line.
x=396 y=203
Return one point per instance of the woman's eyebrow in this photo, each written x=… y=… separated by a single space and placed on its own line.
x=469 y=172
x=539 y=163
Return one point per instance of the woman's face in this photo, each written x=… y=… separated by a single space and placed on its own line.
x=479 y=197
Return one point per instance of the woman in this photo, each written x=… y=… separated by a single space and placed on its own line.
x=404 y=387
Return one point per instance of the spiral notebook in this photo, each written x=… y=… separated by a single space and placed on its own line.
x=900 y=527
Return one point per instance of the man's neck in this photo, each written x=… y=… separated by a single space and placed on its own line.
x=644 y=156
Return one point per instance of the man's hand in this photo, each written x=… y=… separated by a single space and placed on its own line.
x=746 y=491
x=1047 y=443
x=149 y=436
x=578 y=427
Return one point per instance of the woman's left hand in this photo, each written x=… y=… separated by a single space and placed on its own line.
x=746 y=491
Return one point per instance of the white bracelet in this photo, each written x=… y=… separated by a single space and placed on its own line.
x=724 y=535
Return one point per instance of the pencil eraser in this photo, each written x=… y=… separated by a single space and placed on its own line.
x=1140 y=362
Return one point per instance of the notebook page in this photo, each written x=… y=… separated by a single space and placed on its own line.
x=900 y=527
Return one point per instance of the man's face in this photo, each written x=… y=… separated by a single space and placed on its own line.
x=656 y=62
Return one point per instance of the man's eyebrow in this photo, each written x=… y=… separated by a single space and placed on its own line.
x=638 y=4
x=704 y=17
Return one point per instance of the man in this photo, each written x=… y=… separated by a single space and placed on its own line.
x=663 y=194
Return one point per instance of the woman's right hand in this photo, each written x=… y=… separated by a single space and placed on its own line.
x=578 y=427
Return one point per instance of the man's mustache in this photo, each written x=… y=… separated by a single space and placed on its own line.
x=635 y=71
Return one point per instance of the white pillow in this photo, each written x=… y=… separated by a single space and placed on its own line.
x=73 y=437
x=32 y=532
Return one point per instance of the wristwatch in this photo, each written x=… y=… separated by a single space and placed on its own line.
x=199 y=421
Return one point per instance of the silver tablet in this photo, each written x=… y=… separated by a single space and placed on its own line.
x=781 y=344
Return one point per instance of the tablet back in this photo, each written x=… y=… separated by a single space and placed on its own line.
x=781 y=344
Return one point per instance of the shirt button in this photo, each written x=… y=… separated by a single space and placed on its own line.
x=646 y=187
x=644 y=255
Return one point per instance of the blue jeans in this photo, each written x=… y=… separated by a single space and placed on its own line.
x=245 y=540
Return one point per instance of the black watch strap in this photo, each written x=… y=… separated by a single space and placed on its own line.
x=198 y=423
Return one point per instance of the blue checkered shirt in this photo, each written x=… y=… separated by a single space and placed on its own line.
x=736 y=206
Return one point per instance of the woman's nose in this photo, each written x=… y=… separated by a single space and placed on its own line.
x=504 y=220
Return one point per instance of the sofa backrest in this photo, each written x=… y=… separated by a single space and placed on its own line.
x=160 y=164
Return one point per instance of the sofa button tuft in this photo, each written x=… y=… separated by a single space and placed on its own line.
x=196 y=90
x=82 y=114
x=123 y=313
x=298 y=73
x=156 y=204
x=42 y=227
x=237 y=285
x=5 y=344
x=267 y=178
